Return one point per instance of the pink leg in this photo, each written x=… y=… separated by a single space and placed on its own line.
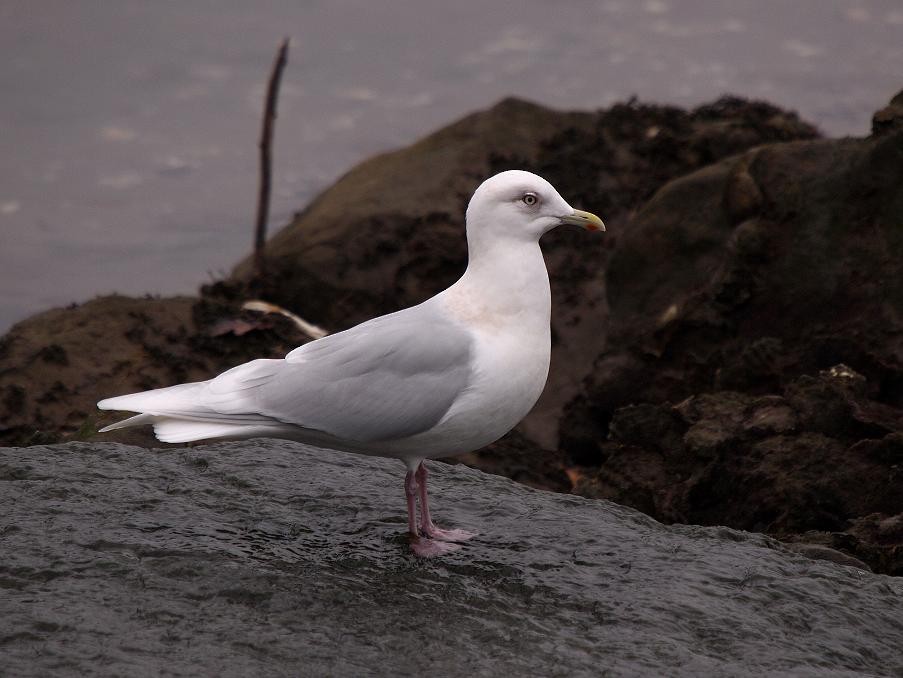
x=427 y=526
x=410 y=492
x=421 y=546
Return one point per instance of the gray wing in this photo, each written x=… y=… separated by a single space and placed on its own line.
x=389 y=378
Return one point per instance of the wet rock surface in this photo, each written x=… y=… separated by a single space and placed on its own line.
x=271 y=558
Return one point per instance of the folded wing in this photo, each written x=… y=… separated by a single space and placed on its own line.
x=386 y=379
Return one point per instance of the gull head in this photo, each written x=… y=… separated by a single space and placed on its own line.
x=521 y=205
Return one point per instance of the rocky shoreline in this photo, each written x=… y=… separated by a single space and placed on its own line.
x=731 y=353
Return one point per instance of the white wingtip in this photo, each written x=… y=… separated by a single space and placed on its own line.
x=137 y=420
x=185 y=431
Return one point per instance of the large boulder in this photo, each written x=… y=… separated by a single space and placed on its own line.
x=753 y=374
x=56 y=365
x=270 y=558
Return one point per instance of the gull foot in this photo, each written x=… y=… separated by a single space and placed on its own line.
x=427 y=548
x=434 y=532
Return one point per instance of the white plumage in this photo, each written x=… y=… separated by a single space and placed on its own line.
x=442 y=378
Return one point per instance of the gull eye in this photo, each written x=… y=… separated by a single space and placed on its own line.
x=530 y=199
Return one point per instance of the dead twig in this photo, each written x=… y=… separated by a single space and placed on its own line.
x=266 y=159
x=311 y=330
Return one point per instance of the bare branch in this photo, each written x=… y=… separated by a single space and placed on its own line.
x=266 y=158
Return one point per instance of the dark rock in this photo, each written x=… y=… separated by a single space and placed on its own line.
x=714 y=420
x=619 y=376
x=704 y=303
x=633 y=476
x=515 y=456
x=888 y=450
x=756 y=366
x=742 y=196
x=757 y=297
x=779 y=464
x=14 y=399
x=823 y=404
x=57 y=364
x=877 y=536
x=821 y=552
x=890 y=118
x=648 y=426
x=270 y=558
x=770 y=415
x=881 y=536
x=54 y=354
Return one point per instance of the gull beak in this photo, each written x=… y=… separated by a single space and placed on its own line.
x=586 y=220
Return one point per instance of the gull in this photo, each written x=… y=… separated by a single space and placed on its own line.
x=442 y=378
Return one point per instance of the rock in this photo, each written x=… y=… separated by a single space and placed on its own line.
x=877 y=536
x=821 y=552
x=890 y=118
x=583 y=436
x=54 y=365
x=713 y=418
x=638 y=477
x=648 y=426
x=779 y=464
x=770 y=415
x=888 y=450
x=700 y=302
x=755 y=296
x=260 y=557
x=824 y=403
x=880 y=535
x=515 y=456
x=742 y=196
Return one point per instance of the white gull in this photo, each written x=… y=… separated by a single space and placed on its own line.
x=442 y=378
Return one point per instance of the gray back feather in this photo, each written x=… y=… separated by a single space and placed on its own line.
x=386 y=379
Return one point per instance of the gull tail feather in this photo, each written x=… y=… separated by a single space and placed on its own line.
x=181 y=399
x=171 y=430
x=137 y=420
x=180 y=414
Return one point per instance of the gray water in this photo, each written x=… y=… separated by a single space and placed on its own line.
x=128 y=129
x=272 y=558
